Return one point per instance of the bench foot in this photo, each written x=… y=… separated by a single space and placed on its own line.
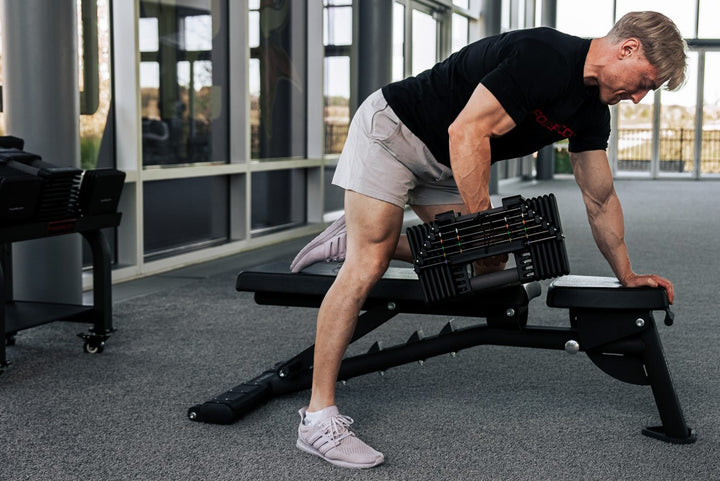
x=658 y=432
x=228 y=407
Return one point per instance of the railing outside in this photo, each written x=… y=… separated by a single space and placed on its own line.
x=676 y=150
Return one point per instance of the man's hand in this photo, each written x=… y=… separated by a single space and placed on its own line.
x=651 y=280
x=487 y=265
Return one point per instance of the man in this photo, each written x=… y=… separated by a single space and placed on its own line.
x=428 y=141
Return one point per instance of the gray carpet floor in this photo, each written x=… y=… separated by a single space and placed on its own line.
x=491 y=413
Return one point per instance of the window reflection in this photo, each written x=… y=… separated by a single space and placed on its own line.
x=183 y=79
x=277 y=81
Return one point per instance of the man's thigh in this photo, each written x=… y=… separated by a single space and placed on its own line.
x=373 y=229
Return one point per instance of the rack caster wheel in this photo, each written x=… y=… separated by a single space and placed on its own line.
x=94 y=343
x=94 y=347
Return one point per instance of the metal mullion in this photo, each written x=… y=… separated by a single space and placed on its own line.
x=699 y=101
x=655 y=153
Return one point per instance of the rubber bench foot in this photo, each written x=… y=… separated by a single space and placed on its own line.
x=213 y=413
x=658 y=432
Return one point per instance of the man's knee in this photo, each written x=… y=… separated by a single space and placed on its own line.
x=367 y=268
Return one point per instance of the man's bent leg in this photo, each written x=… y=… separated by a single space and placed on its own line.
x=373 y=228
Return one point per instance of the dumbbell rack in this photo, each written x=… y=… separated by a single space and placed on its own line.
x=16 y=316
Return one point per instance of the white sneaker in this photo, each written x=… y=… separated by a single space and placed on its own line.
x=328 y=246
x=331 y=440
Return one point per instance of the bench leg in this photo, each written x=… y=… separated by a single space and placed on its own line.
x=673 y=428
x=625 y=344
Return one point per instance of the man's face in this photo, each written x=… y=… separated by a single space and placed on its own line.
x=629 y=77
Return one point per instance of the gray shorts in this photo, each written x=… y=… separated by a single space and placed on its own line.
x=382 y=159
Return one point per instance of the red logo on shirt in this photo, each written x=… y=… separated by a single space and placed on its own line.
x=561 y=129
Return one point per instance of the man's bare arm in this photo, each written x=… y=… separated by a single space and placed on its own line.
x=594 y=177
x=482 y=118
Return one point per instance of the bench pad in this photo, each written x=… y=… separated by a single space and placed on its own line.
x=274 y=284
x=587 y=292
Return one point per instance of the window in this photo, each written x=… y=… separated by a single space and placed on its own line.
x=278 y=50
x=710 y=152
x=424 y=41
x=337 y=103
x=337 y=25
x=709 y=12
x=682 y=13
x=276 y=201
x=183 y=89
x=96 y=129
x=337 y=38
x=184 y=214
x=585 y=19
x=398 y=61
x=635 y=135
x=183 y=81
x=677 y=124
x=459 y=32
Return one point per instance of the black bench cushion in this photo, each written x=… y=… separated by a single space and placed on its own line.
x=274 y=284
x=603 y=293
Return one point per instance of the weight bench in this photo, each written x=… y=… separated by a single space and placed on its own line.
x=612 y=324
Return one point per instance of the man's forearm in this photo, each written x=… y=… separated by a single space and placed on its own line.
x=607 y=224
x=470 y=163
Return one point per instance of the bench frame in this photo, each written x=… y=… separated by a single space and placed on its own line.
x=613 y=325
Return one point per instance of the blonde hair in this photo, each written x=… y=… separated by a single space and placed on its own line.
x=662 y=44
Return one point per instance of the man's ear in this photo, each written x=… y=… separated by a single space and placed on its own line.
x=628 y=48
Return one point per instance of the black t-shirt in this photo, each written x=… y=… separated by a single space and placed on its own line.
x=536 y=75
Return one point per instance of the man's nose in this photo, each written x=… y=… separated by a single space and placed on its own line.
x=638 y=96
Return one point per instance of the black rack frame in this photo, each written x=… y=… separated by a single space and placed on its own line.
x=20 y=315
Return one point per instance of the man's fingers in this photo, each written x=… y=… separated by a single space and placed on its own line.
x=653 y=280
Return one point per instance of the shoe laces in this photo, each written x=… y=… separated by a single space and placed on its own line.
x=337 y=428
